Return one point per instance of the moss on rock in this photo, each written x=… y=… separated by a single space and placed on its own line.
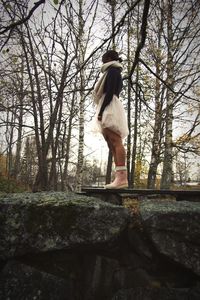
x=36 y=222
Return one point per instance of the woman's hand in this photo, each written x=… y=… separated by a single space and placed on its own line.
x=99 y=118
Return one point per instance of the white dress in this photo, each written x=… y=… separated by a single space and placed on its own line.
x=114 y=118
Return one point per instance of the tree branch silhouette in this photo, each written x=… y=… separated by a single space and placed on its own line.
x=143 y=33
x=23 y=20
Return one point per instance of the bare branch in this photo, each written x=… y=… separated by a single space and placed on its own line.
x=143 y=36
x=23 y=20
x=164 y=82
x=117 y=27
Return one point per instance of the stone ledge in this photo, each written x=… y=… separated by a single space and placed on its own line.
x=38 y=222
x=95 y=250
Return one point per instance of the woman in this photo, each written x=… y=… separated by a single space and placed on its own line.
x=110 y=118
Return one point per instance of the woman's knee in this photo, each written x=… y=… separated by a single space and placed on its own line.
x=113 y=139
x=109 y=143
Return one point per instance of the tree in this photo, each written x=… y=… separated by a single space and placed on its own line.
x=81 y=57
x=10 y=11
x=167 y=163
x=176 y=73
x=112 y=15
x=49 y=68
x=28 y=166
x=158 y=117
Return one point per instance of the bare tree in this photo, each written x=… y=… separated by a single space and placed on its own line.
x=158 y=117
x=10 y=11
x=46 y=93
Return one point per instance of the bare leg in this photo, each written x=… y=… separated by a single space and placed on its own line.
x=115 y=144
x=110 y=146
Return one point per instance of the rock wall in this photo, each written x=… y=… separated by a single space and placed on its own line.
x=71 y=247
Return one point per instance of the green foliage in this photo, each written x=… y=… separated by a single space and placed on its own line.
x=5 y=51
x=55 y=2
x=11 y=185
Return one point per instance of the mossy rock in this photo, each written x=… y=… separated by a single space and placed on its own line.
x=37 y=222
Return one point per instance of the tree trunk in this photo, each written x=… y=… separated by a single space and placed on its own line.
x=156 y=141
x=9 y=138
x=17 y=163
x=41 y=178
x=68 y=143
x=109 y=167
x=135 y=132
x=79 y=172
x=167 y=162
x=110 y=156
x=129 y=104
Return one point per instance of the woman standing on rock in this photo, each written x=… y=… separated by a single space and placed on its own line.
x=110 y=118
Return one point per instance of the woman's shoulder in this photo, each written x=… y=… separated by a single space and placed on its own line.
x=114 y=70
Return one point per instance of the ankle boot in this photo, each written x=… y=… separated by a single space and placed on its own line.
x=120 y=181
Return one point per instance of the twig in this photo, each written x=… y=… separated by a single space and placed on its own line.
x=143 y=33
x=23 y=20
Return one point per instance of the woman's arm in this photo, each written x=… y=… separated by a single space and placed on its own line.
x=112 y=83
